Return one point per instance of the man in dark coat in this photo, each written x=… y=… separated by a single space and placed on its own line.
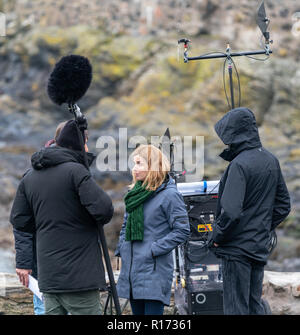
x=25 y=247
x=59 y=200
x=253 y=201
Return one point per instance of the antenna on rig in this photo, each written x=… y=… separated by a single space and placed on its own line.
x=263 y=23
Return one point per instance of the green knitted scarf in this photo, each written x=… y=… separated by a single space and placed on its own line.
x=134 y=201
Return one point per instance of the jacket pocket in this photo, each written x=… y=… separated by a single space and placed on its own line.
x=181 y=218
x=151 y=259
x=154 y=263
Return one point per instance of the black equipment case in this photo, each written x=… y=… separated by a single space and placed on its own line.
x=198 y=285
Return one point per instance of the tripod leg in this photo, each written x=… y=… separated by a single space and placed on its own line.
x=126 y=303
x=106 y=302
x=109 y=270
x=111 y=305
x=177 y=270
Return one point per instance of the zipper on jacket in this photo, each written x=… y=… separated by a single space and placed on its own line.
x=154 y=261
x=131 y=252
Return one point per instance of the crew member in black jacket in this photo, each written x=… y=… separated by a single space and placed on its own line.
x=60 y=202
x=253 y=201
x=25 y=246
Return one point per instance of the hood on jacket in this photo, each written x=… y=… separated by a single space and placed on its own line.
x=238 y=130
x=51 y=156
x=168 y=182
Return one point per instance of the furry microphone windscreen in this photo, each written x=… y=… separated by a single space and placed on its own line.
x=70 y=79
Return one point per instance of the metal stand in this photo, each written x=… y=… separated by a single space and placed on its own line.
x=109 y=303
x=227 y=55
x=263 y=24
x=167 y=141
x=113 y=288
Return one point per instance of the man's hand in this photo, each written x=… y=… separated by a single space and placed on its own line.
x=216 y=245
x=23 y=276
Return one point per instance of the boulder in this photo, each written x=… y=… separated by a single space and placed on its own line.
x=282 y=291
x=15 y=299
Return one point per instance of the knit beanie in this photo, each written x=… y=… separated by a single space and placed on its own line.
x=70 y=137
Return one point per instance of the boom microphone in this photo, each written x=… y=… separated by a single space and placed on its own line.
x=69 y=80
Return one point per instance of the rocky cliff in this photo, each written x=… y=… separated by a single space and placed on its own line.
x=139 y=83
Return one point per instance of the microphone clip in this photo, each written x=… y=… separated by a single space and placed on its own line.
x=79 y=117
x=75 y=110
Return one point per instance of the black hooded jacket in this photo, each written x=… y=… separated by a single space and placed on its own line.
x=253 y=197
x=59 y=201
x=25 y=246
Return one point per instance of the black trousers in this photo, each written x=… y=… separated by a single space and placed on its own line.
x=242 y=286
x=146 y=307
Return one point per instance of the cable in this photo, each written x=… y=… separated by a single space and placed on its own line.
x=260 y=59
x=224 y=85
x=235 y=68
x=236 y=71
x=262 y=46
x=238 y=79
x=213 y=53
x=272 y=241
x=239 y=84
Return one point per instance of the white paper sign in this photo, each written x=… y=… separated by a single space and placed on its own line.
x=34 y=287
